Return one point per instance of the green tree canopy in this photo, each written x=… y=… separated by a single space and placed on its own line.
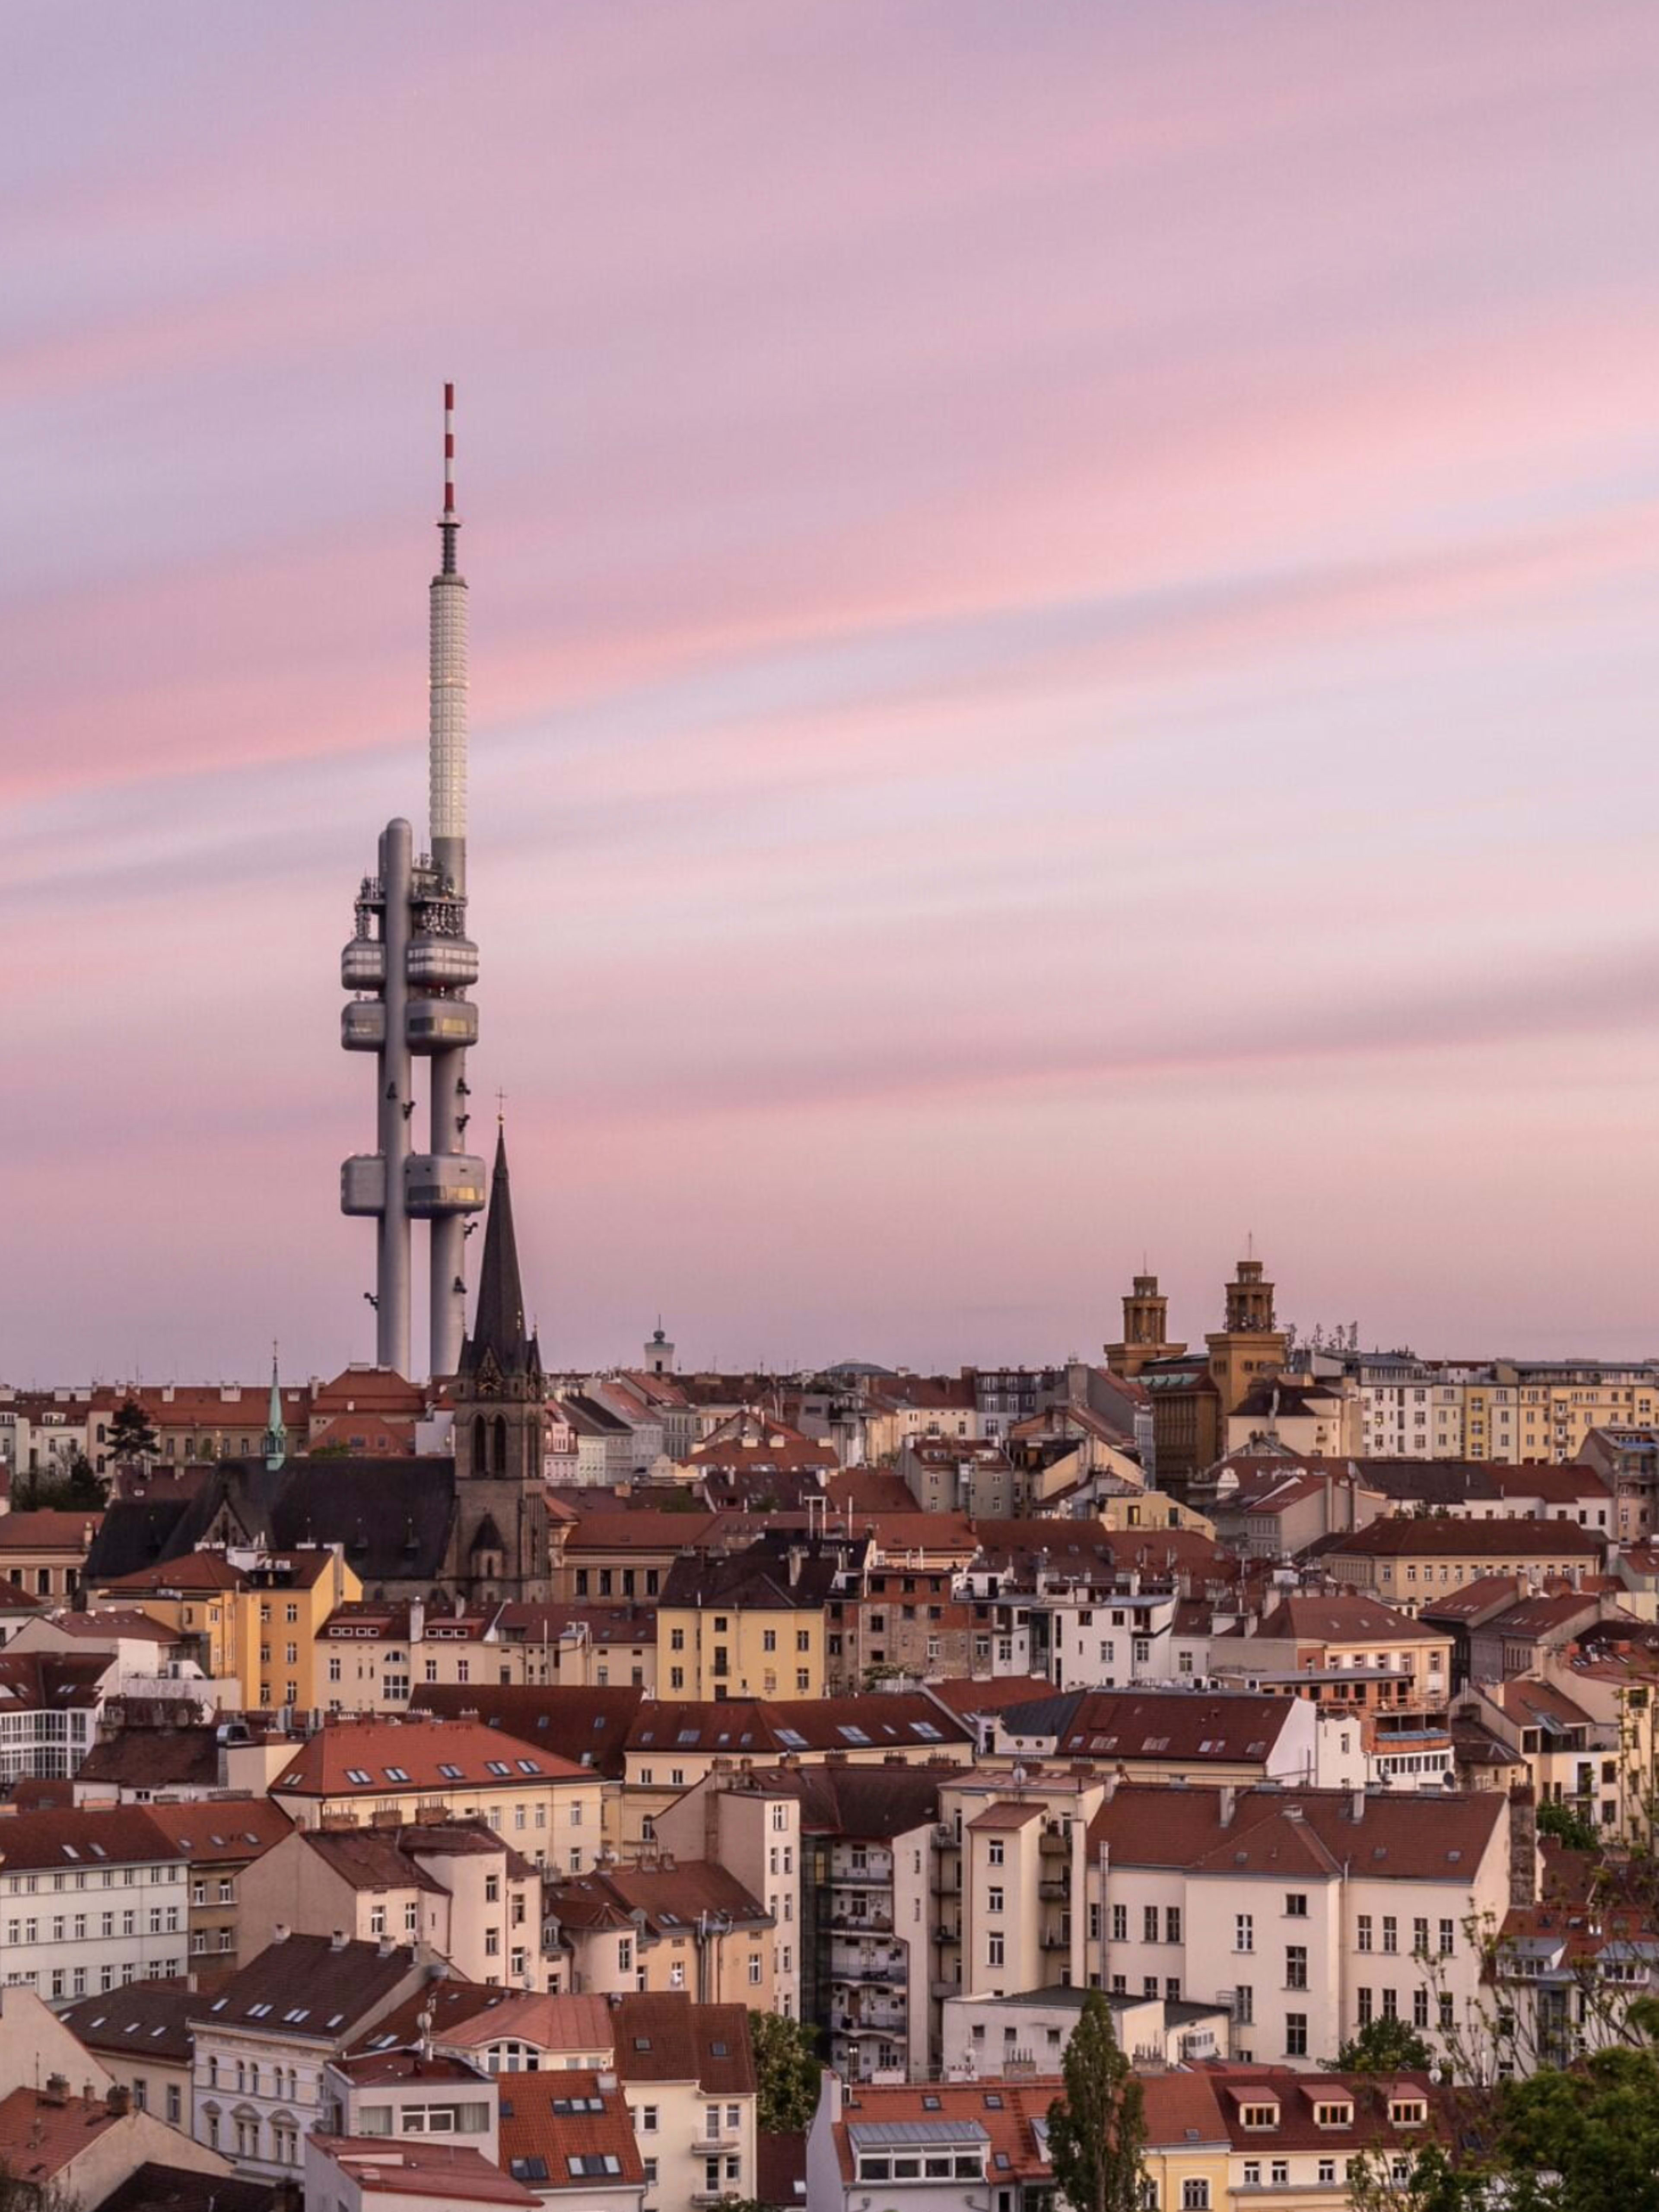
x=1385 y=2046
x=787 y=2073
x=132 y=1434
x=1097 y=2128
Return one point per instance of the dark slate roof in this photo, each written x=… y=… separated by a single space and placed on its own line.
x=154 y=2188
x=588 y=1726
x=308 y=1987
x=151 y=2017
x=392 y=1516
x=155 y=1758
x=759 y=1577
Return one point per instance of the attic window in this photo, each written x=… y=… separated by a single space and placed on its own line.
x=931 y=2105
x=450 y=1774
x=1407 y=2112
x=359 y=1775
x=994 y=2101
x=719 y=2051
x=497 y=1766
x=257 y=2011
x=1333 y=2116
x=527 y=1767
x=1260 y=2116
x=396 y=1774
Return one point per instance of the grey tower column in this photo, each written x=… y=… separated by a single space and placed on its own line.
x=392 y=1334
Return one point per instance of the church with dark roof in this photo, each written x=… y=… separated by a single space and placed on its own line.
x=474 y=1524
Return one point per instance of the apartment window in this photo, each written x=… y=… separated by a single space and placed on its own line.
x=1365 y=1939
x=1295 y=1966
x=996 y=1852
x=1447 y=1933
x=1328 y=2172
x=1244 y=1931
x=1420 y=2008
x=1390 y=1933
x=1194 y=2195
x=676 y=1639
x=993 y=1951
x=1363 y=1998
x=769 y=1639
x=802 y=1639
x=1244 y=2004
x=1296 y=1905
x=1419 y=1938
x=1295 y=2034
x=993 y=1901
x=1390 y=2004
x=1149 y=1923
x=1172 y=1924
x=1120 y=1923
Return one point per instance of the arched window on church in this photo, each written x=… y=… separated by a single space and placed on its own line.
x=480 y=1435
x=500 y=1444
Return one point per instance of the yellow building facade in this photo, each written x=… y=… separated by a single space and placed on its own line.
x=253 y=1617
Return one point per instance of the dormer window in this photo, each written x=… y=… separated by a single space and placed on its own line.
x=1334 y=2116
x=1407 y=2112
x=1260 y=2116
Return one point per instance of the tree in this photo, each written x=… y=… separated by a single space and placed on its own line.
x=1385 y=2046
x=1586 y=2138
x=787 y=2073
x=66 y=1485
x=1097 y=2128
x=1568 y=1827
x=132 y=1434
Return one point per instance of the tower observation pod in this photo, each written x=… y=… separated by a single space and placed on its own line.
x=409 y=965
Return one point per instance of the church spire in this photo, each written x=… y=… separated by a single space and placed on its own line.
x=276 y=1438
x=498 y=1331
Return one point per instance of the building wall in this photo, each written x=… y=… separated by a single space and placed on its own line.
x=738 y=1652
x=93 y=1928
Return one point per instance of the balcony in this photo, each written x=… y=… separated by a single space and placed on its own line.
x=887 y=1972
x=874 y=1923
x=1053 y=1847
x=1054 y=1885
x=706 y=2146
x=942 y=1988
x=1056 y=1939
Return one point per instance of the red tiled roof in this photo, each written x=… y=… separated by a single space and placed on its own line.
x=540 y=2134
x=662 y=2036
x=1416 y=1837
x=329 y=1764
x=445 y=2172
x=41 y=2135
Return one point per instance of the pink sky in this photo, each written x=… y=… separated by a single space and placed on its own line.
x=1066 y=645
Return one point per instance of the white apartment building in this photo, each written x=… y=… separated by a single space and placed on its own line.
x=1308 y=1912
x=91 y=1900
x=262 y=2043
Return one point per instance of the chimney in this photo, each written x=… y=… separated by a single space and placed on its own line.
x=119 y=2100
x=57 y=2089
x=416 y=1621
x=605 y=2084
x=1523 y=1846
x=281 y=1932
x=1357 y=1801
x=337 y=1941
x=1227 y=1803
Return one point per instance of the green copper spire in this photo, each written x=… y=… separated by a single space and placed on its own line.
x=275 y=1433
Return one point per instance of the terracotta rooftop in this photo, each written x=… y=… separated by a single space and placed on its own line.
x=41 y=2135
x=664 y=2037
x=1420 y=1836
x=407 y=2167
x=562 y=2127
x=436 y=1756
